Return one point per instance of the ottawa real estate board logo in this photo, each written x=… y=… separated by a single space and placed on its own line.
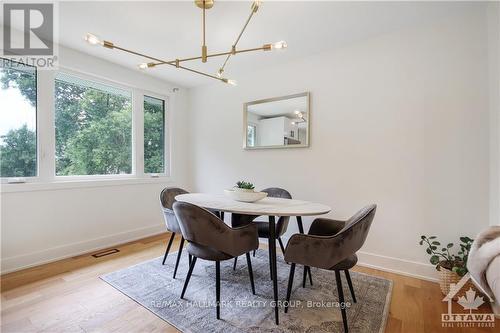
x=29 y=33
x=470 y=301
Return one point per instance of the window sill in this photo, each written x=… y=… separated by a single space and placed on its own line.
x=84 y=183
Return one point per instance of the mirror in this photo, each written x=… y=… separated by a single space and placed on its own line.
x=280 y=122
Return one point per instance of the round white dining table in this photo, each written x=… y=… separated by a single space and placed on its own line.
x=268 y=206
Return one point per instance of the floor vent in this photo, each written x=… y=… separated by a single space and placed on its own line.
x=105 y=253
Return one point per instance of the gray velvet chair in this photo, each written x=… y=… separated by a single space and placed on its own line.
x=167 y=199
x=330 y=245
x=209 y=238
x=263 y=226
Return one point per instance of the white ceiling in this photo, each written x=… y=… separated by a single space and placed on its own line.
x=170 y=30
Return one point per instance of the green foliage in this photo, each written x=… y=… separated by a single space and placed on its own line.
x=443 y=258
x=18 y=153
x=153 y=138
x=103 y=147
x=93 y=132
x=245 y=185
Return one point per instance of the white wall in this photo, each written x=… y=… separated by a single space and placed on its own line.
x=59 y=221
x=494 y=92
x=401 y=120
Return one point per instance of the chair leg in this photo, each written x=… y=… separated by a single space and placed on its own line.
x=310 y=276
x=217 y=287
x=250 y=272
x=349 y=282
x=281 y=245
x=235 y=261
x=254 y=253
x=190 y=271
x=168 y=247
x=341 y=300
x=304 y=275
x=222 y=216
x=181 y=246
x=290 y=284
x=189 y=259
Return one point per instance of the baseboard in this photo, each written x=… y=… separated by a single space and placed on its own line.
x=12 y=264
x=398 y=266
x=371 y=260
x=390 y=264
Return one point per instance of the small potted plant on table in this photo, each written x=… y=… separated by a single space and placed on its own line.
x=244 y=192
x=451 y=267
x=243 y=186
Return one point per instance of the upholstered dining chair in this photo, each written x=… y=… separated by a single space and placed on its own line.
x=330 y=245
x=209 y=238
x=263 y=226
x=167 y=199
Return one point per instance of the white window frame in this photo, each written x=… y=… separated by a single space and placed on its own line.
x=47 y=179
x=166 y=136
x=31 y=179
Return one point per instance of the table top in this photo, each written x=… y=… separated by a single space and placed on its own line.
x=266 y=206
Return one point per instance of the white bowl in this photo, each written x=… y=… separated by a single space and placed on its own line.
x=245 y=196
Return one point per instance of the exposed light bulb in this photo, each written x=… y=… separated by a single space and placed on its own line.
x=232 y=82
x=293 y=122
x=219 y=72
x=297 y=112
x=256 y=5
x=279 y=45
x=92 y=39
x=146 y=65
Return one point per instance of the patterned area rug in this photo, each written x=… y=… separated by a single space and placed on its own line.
x=312 y=309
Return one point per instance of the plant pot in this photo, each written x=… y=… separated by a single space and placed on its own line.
x=237 y=189
x=245 y=196
x=447 y=277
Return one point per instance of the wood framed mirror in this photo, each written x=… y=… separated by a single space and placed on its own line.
x=279 y=122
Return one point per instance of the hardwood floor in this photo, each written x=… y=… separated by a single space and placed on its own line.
x=68 y=296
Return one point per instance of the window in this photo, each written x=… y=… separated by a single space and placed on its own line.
x=251 y=129
x=93 y=127
x=154 y=135
x=18 y=139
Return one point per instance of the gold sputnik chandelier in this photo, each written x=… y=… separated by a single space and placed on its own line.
x=178 y=63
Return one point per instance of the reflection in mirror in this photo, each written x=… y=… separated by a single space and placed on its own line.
x=277 y=122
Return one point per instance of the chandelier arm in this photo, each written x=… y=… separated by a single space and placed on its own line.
x=210 y=55
x=204 y=74
x=204 y=26
x=253 y=11
x=143 y=55
x=167 y=63
x=204 y=46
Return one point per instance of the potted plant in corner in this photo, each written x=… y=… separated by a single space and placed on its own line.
x=451 y=267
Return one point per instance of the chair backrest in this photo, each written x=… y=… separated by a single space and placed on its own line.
x=201 y=227
x=276 y=192
x=198 y=225
x=352 y=237
x=167 y=199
